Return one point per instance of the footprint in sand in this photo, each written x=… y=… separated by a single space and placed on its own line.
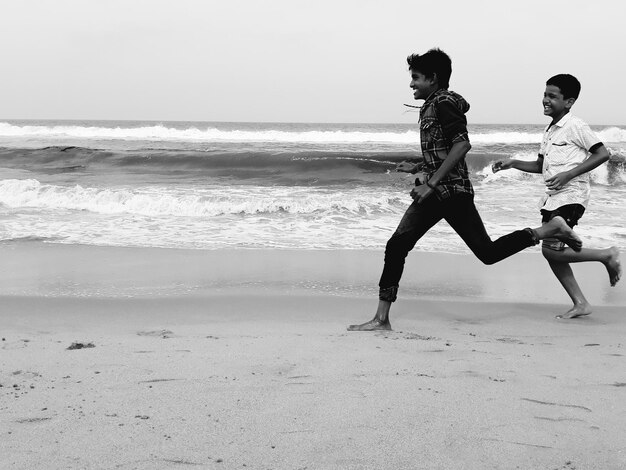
x=510 y=340
x=31 y=420
x=548 y=403
x=26 y=373
x=558 y=420
x=80 y=346
x=157 y=333
x=419 y=337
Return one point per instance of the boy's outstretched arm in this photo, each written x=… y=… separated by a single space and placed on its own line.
x=410 y=166
x=522 y=165
x=599 y=155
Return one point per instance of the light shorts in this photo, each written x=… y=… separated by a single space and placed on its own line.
x=571 y=213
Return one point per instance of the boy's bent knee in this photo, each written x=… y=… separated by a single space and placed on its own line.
x=397 y=245
x=486 y=258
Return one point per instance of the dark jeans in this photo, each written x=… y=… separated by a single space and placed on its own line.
x=460 y=212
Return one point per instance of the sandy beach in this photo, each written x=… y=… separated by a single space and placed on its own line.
x=196 y=197
x=137 y=358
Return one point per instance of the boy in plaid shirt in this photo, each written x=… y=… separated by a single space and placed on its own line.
x=445 y=191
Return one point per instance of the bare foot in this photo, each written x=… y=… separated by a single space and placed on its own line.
x=613 y=266
x=576 y=311
x=559 y=229
x=372 y=325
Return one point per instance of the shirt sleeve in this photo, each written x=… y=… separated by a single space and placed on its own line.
x=453 y=122
x=542 y=146
x=584 y=137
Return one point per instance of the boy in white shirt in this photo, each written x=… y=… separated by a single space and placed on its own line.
x=569 y=151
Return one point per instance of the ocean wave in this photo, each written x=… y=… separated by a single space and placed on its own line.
x=267 y=167
x=195 y=202
x=159 y=132
x=298 y=167
x=606 y=135
x=208 y=134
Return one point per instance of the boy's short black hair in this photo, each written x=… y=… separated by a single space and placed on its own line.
x=568 y=84
x=435 y=61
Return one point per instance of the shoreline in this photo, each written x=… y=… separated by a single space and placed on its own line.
x=60 y=270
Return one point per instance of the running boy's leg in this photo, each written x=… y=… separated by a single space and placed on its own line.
x=466 y=221
x=610 y=257
x=417 y=220
x=468 y=224
x=559 y=263
x=565 y=275
x=559 y=257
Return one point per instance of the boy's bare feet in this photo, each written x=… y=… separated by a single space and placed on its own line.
x=576 y=311
x=372 y=325
x=613 y=266
x=558 y=228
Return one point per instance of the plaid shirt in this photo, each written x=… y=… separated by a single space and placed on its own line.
x=443 y=123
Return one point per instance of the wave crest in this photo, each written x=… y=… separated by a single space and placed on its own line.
x=161 y=201
x=160 y=132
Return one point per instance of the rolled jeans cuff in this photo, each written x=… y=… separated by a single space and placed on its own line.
x=388 y=294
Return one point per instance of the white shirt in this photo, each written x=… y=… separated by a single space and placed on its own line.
x=566 y=145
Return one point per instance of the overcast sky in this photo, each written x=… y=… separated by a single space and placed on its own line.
x=303 y=60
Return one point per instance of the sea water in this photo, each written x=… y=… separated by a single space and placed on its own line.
x=204 y=185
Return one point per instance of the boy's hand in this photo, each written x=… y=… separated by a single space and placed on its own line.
x=421 y=192
x=558 y=181
x=406 y=167
x=501 y=165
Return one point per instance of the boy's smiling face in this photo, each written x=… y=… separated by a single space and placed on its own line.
x=554 y=105
x=422 y=86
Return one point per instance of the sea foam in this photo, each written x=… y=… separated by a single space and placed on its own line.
x=196 y=201
x=214 y=134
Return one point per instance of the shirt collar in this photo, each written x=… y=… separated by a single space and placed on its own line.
x=433 y=94
x=428 y=100
x=562 y=121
